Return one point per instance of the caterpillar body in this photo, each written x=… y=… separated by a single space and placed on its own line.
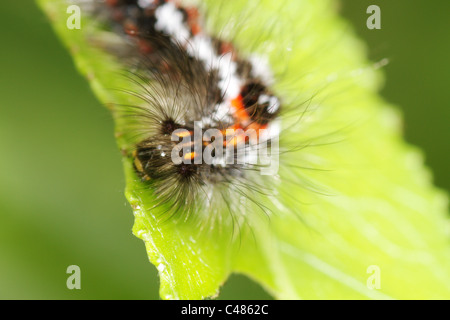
x=208 y=111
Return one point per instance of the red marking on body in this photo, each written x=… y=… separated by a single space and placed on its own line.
x=243 y=121
x=240 y=114
x=226 y=47
x=193 y=20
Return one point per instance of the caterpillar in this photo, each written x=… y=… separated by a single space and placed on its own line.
x=209 y=117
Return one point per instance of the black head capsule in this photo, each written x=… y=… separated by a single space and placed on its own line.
x=152 y=158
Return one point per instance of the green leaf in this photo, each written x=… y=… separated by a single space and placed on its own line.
x=351 y=193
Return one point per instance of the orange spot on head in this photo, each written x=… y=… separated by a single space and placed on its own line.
x=190 y=155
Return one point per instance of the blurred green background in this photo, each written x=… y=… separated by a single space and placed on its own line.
x=61 y=180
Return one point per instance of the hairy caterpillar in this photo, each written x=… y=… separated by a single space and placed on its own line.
x=204 y=136
x=209 y=115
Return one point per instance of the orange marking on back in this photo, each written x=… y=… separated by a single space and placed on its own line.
x=193 y=17
x=241 y=114
x=243 y=118
x=190 y=155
